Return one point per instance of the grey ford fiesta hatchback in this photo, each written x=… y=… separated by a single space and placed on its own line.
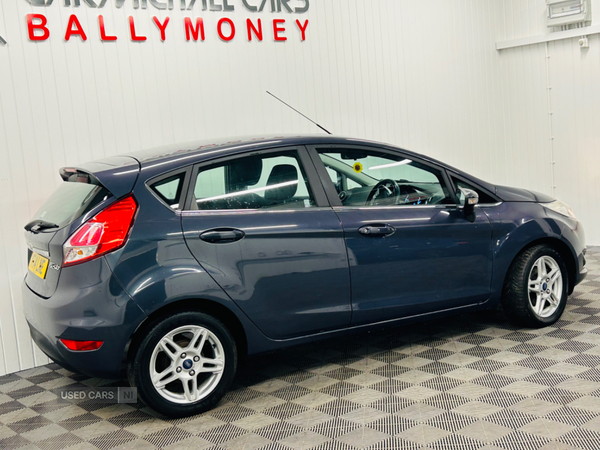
x=168 y=265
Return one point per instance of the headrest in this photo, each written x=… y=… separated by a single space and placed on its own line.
x=244 y=172
x=282 y=173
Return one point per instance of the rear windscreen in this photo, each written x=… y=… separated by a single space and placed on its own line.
x=70 y=201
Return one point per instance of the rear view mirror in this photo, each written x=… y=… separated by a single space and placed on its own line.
x=354 y=155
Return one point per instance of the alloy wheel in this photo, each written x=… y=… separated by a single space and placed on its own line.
x=187 y=364
x=545 y=286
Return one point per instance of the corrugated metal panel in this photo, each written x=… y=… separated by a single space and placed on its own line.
x=423 y=75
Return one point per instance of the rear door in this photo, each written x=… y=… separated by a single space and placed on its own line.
x=411 y=249
x=261 y=226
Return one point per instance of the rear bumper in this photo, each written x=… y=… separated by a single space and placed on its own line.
x=89 y=304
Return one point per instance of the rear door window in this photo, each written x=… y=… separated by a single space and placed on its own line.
x=268 y=181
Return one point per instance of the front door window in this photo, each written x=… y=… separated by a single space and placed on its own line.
x=371 y=178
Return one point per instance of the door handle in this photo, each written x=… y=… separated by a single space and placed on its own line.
x=222 y=236
x=377 y=230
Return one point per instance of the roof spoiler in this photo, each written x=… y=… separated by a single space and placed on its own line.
x=118 y=174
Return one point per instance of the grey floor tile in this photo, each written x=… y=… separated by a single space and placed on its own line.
x=363 y=437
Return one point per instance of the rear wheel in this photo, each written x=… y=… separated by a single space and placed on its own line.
x=535 y=292
x=184 y=365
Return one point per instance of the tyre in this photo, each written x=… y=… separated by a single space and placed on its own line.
x=184 y=364
x=535 y=291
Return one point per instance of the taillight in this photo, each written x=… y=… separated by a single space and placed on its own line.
x=105 y=232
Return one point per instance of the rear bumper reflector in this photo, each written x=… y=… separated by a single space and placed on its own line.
x=82 y=346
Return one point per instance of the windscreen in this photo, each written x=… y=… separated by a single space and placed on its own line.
x=71 y=200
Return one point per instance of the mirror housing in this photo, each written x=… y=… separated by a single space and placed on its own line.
x=467 y=200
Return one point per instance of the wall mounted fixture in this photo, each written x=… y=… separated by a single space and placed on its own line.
x=562 y=13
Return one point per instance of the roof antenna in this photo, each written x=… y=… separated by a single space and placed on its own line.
x=291 y=107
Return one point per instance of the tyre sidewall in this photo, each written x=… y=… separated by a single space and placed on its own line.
x=546 y=251
x=139 y=372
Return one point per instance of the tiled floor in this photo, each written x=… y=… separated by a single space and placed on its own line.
x=472 y=381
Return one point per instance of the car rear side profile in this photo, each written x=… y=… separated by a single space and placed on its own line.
x=168 y=265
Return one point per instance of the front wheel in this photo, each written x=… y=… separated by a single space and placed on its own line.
x=535 y=291
x=184 y=365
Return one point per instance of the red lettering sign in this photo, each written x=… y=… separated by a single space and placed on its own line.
x=220 y=29
x=74 y=28
x=191 y=31
x=252 y=29
x=161 y=26
x=33 y=27
x=135 y=37
x=38 y=29
x=277 y=29
x=302 y=28
x=103 y=35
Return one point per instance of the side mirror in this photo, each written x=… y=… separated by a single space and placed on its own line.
x=467 y=200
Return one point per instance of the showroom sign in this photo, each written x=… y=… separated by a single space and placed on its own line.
x=194 y=28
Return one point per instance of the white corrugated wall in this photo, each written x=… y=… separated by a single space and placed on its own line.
x=551 y=112
x=423 y=75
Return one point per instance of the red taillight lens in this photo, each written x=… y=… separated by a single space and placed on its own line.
x=88 y=234
x=82 y=346
x=105 y=232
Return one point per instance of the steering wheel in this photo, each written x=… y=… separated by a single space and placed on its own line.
x=386 y=188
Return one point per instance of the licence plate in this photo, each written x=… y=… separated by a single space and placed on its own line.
x=38 y=265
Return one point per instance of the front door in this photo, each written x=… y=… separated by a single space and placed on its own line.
x=411 y=249
x=268 y=237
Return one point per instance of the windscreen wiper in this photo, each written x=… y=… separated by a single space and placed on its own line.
x=38 y=225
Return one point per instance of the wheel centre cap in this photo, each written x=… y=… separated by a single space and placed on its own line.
x=187 y=364
x=544 y=286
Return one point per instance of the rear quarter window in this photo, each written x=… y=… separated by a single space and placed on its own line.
x=169 y=190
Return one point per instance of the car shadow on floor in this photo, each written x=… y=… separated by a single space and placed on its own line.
x=343 y=351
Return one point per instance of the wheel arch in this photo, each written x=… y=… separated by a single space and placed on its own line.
x=212 y=308
x=562 y=248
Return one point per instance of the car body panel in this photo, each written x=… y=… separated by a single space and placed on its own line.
x=289 y=273
x=517 y=225
x=49 y=245
x=89 y=304
x=511 y=194
x=436 y=259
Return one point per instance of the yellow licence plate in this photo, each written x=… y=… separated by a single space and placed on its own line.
x=38 y=265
